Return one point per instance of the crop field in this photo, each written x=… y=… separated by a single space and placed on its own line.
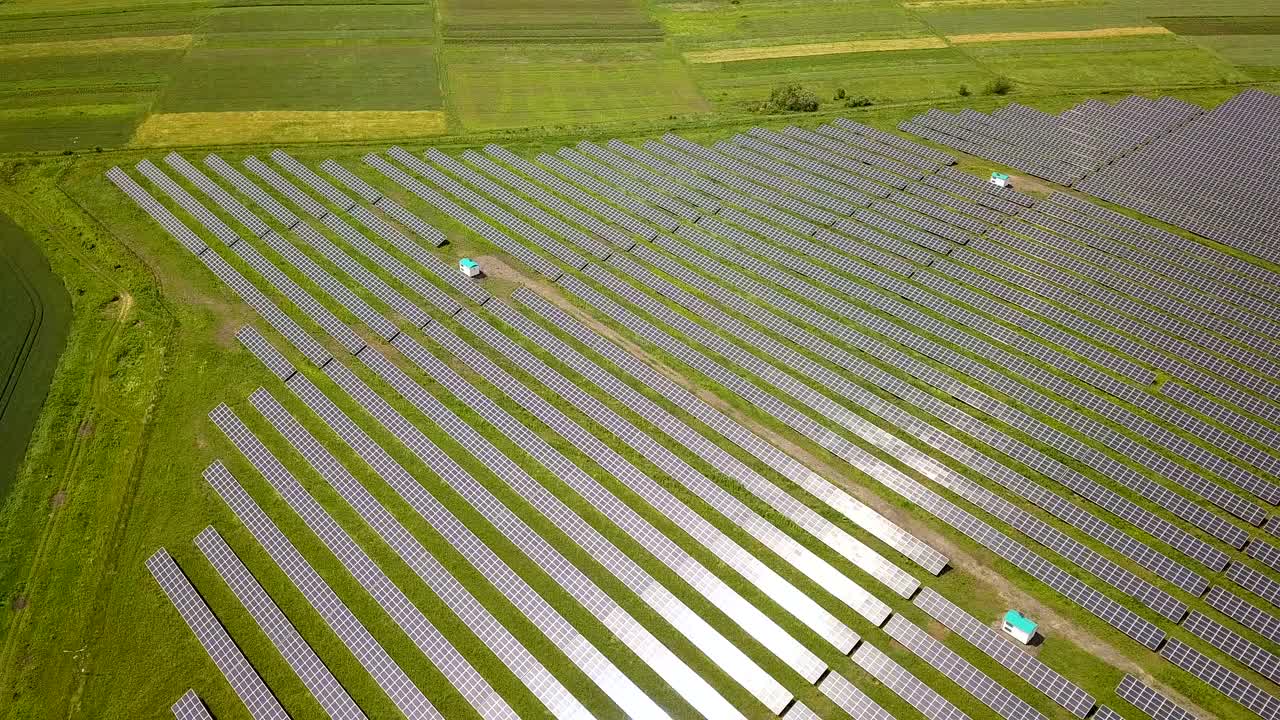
x=715 y=382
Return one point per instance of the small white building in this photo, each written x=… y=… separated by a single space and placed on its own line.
x=1001 y=180
x=469 y=267
x=1019 y=627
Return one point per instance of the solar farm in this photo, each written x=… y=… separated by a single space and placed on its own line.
x=496 y=359
x=506 y=496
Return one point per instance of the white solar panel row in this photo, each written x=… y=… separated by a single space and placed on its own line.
x=510 y=199
x=610 y=233
x=775 y=587
x=424 y=635
x=317 y=183
x=621 y=162
x=850 y=699
x=297 y=653
x=508 y=222
x=960 y=671
x=881 y=168
x=353 y=182
x=188 y=203
x=991 y=642
x=158 y=212
x=1252 y=697
x=251 y=190
x=536 y=609
x=901 y=143
x=840 y=541
x=922 y=221
x=190 y=707
x=417 y=225
x=680 y=676
x=871 y=144
x=479 y=620
x=657 y=216
x=468 y=220
x=788 y=467
x=1110 y=611
x=220 y=196
x=905 y=685
x=381 y=667
x=888 y=225
x=1104 y=568
x=860 y=184
x=670 y=203
x=244 y=680
x=737 y=664
x=1255 y=581
x=619 y=218
x=1149 y=701
x=913 y=199
x=284 y=187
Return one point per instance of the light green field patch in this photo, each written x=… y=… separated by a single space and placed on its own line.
x=1238 y=25
x=962 y=20
x=1113 y=62
x=1258 y=55
x=487 y=20
x=782 y=22
x=339 y=20
x=535 y=85
x=144 y=69
x=891 y=76
x=317 y=77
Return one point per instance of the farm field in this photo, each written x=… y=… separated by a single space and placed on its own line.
x=823 y=324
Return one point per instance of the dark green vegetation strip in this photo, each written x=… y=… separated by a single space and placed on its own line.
x=1227 y=25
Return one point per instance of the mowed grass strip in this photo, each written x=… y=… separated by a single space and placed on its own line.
x=97 y=46
x=810 y=49
x=490 y=20
x=261 y=126
x=1058 y=34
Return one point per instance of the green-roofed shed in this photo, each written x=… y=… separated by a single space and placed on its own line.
x=1000 y=179
x=1019 y=626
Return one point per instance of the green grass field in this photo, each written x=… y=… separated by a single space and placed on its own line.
x=112 y=467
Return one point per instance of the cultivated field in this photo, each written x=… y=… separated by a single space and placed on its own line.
x=113 y=467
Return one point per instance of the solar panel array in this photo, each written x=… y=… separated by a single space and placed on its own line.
x=1240 y=610
x=525 y=667
x=993 y=643
x=244 y=680
x=368 y=651
x=905 y=685
x=960 y=671
x=1141 y=696
x=1221 y=679
x=1250 y=654
x=189 y=707
x=297 y=653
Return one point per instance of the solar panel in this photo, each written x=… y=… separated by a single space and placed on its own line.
x=750 y=567
x=1106 y=713
x=158 y=212
x=1263 y=552
x=682 y=678
x=353 y=182
x=244 y=680
x=681 y=617
x=1026 y=666
x=324 y=687
x=538 y=611
x=375 y=660
x=905 y=685
x=527 y=668
x=189 y=707
x=1219 y=678
x=850 y=699
x=1230 y=642
x=284 y=187
x=220 y=196
x=960 y=671
x=1250 y=579
x=250 y=189
x=317 y=183
x=1149 y=701
x=1231 y=605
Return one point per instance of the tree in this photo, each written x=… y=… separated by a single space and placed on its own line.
x=1001 y=85
x=792 y=98
x=964 y=90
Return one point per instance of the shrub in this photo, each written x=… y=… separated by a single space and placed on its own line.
x=964 y=90
x=792 y=98
x=1001 y=85
x=840 y=94
x=858 y=102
